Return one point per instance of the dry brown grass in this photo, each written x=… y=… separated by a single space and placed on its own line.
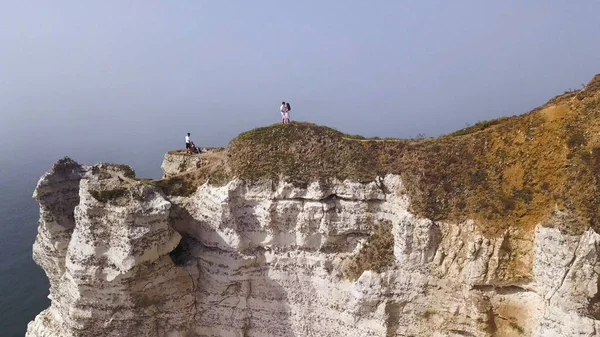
x=508 y=172
x=110 y=195
x=183 y=152
x=377 y=254
x=299 y=152
x=215 y=171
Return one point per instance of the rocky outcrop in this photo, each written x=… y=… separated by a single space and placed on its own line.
x=265 y=259
x=178 y=161
x=108 y=262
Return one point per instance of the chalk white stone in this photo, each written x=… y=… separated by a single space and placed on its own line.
x=253 y=259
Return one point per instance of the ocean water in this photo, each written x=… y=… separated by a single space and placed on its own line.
x=23 y=285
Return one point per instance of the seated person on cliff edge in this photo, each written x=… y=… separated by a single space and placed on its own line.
x=193 y=148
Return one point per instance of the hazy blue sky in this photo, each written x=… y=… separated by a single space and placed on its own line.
x=118 y=75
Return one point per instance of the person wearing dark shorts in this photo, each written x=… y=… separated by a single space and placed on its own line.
x=187 y=143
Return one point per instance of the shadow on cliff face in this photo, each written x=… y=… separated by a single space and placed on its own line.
x=235 y=293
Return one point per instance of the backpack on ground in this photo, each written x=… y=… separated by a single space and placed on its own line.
x=287 y=105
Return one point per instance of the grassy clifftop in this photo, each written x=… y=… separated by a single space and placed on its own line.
x=301 y=152
x=502 y=172
x=505 y=172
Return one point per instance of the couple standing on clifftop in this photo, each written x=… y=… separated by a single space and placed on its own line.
x=285 y=112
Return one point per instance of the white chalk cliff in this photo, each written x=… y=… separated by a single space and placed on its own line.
x=301 y=230
x=253 y=259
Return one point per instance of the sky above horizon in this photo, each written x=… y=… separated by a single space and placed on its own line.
x=114 y=75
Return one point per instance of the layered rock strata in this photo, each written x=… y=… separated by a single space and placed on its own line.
x=273 y=259
x=108 y=264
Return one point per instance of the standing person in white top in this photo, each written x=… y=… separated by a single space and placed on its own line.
x=288 y=108
x=188 y=148
x=282 y=110
x=285 y=116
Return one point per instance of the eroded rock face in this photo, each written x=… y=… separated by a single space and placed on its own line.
x=176 y=163
x=108 y=264
x=271 y=259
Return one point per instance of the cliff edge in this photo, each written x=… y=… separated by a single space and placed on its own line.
x=301 y=230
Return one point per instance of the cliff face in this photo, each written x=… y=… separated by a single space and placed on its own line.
x=107 y=263
x=317 y=239
x=177 y=162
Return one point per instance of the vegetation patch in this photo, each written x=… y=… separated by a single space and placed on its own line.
x=594 y=306
x=184 y=152
x=377 y=254
x=126 y=170
x=591 y=89
x=427 y=314
x=594 y=106
x=479 y=126
x=301 y=153
x=214 y=171
x=576 y=138
x=517 y=328
x=110 y=195
x=506 y=172
x=65 y=165
x=176 y=186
